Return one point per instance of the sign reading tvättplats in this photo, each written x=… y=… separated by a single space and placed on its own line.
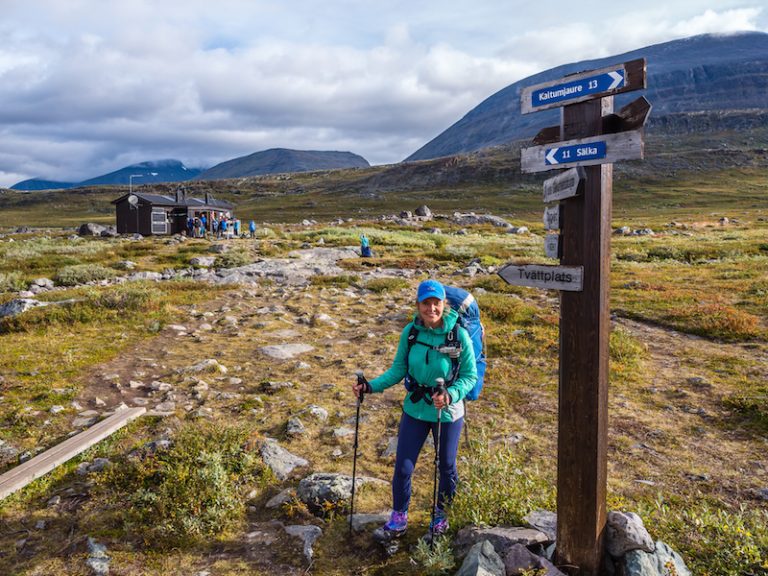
x=584 y=86
x=565 y=185
x=583 y=152
x=567 y=278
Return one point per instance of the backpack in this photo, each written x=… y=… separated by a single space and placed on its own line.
x=469 y=319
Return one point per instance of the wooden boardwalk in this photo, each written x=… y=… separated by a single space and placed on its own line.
x=41 y=464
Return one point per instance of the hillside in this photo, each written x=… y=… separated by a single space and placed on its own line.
x=722 y=79
x=282 y=161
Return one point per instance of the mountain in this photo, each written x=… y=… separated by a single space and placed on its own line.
x=281 y=161
x=705 y=82
x=40 y=184
x=151 y=172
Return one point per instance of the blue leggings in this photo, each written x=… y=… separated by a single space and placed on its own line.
x=410 y=440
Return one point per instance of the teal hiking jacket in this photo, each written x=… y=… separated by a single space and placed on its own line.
x=425 y=364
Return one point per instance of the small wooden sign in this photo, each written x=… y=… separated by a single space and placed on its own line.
x=552 y=246
x=604 y=149
x=552 y=217
x=567 y=278
x=565 y=185
x=584 y=86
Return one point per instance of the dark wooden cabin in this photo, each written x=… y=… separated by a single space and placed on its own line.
x=157 y=214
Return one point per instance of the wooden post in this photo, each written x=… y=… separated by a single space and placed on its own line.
x=584 y=332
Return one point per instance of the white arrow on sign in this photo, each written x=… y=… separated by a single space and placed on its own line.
x=617 y=78
x=551 y=156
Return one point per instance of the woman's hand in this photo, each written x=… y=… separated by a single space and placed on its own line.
x=357 y=387
x=441 y=400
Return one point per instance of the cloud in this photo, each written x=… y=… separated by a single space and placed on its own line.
x=87 y=87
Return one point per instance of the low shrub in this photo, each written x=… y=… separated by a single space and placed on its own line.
x=233 y=259
x=341 y=281
x=481 y=499
x=436 y=559
x=193 y=491
x=82 y=274
x=11 y=282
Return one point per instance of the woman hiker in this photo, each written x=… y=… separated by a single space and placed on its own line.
x=421 y=363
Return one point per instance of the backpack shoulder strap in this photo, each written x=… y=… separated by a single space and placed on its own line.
x=452 y=339
x=413 y=335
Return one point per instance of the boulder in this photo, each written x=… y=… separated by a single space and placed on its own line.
x=322 y=488
x=109 y=232
x=542 y=520
x=7 y=453
x=285 y=351
x=279 y=460
x=281 y=498
x=665 y=557
x=202 y=261
x=502 y=538
x=90 y=229
x=18 y=306
x=98 y=560
x=308 y=535
x=423 y=211
x=482 y=560
x=519 y=559
x=154 y=276
x=360 y=521
x=295 y=427
x=625 y=531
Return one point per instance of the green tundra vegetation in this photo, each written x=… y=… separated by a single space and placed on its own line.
x=688 y=413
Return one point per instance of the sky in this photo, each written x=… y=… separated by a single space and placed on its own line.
x=89 y=86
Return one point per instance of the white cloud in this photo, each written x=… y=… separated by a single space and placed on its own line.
x=87 y=87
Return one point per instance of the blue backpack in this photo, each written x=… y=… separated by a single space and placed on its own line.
x=469 y=319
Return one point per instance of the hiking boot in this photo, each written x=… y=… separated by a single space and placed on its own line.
x=437 y=527
x=394 y=528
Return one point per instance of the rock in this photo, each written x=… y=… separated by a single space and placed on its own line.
x=163 y=408
x=423 y=211
x=202 y=261
x=643 y=232
x=623 y=231
x=318 y=412
x=322 y=319
x=666 y=556
x=472 y=218
x=18 y=306
x=482 y=560
x=46 y=283
x=7 y=453
x=56 y=409
x=325 y=487
x=279 y=460
x=90 y=229
x=109 y=232
x=218 y=248
x=125 y=265
x=502 y=538
x=519 y=559
x=281 y=498
x=406 y=214
x=208 y=365
x=360 y=521
x=343 y=432
x=544 y=521
x=154 y=276
x=625 y=531
x=308 y=535
x=285 y=351
x=295 y=427
x=391 y=448
x=84 y=421
x=98 y=465
x=518 y=230
x=98 y=560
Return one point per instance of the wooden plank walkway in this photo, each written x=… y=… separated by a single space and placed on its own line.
x=41 y=464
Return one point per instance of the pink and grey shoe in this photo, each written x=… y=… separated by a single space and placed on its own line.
x=394 y=528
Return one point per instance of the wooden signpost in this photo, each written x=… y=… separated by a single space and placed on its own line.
x=588 y=140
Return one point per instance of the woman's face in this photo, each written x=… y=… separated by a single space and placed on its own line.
x=431 y=311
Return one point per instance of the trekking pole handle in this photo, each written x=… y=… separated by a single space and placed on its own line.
x=363 y=383
x=440 y=385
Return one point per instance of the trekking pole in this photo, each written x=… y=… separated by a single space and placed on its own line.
x=440 y=391
x=360 y=380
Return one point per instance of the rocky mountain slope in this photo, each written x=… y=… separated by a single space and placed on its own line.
x=707 y=82
x=282 y=160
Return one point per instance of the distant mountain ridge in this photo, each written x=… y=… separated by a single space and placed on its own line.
x=716 y=74
x=283 y=160
x=150 y=172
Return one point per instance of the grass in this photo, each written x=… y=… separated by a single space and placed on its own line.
x=188 y=508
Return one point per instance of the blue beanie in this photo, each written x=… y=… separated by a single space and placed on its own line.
x=430 y=289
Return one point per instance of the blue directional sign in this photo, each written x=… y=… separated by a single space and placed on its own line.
x=575 y=153
x=612 y=80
